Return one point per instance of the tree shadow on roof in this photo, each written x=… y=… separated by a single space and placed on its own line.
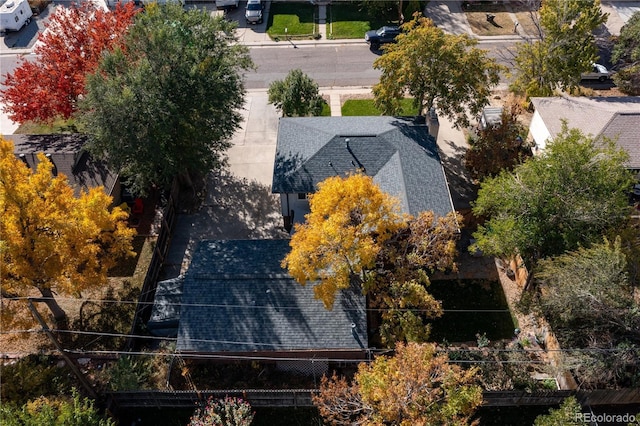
x=290 y=175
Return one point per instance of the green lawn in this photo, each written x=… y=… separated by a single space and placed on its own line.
x=350 y=20
x=472 y=296
x=58 y=125
x=347 y=21
x=326 y=110
x=360 y=107
x=297 y=18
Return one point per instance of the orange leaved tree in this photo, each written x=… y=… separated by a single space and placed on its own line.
x=50 y=240
x=356 y=236
x=414 y=387
x=50 y=85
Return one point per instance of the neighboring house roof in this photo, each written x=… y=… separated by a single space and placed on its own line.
x=237 y=298
x=67 y=154
x=624 y=129
x=400 y=156
x=617 y=118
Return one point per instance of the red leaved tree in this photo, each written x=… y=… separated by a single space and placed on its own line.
x=49 y=86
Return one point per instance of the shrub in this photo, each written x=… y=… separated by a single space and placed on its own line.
x=223 y=412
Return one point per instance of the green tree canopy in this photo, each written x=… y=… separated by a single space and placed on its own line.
x=568 y=414
x=75 y=411
x=586 y=296
x=568 y=196
x=296 y=96
x=385 y=9
x=566 y=47
x=167 y=103
x=627 y=46
x=626 y=53
x=587 y=290
x=437 y=70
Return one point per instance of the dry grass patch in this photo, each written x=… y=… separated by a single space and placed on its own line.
x=527 y=23
x=480 y=26
x=477 y=16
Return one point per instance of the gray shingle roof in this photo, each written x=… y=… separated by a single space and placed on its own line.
x=66 y=153
x=237 y=298
x=165 y=313
x=400 y=156
x=587 y=114
x=617 y=118
x=624 y=129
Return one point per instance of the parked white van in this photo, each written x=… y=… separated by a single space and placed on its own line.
x=14 y=15
x=598 y=72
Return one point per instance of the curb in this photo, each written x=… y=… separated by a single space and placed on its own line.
x=336 y=42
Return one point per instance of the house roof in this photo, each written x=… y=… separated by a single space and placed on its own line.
x=617 y=118
x=624 y=129
x=398 y=153
x=237 y=298
x=165 y=313
x=67 y=154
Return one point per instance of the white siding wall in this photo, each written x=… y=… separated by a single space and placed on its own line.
x=538 y=131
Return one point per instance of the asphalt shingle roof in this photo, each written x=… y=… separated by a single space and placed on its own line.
x=617 y=118
x=400 y=156
x=67 y=154
x=237 y=298
x=624 y=129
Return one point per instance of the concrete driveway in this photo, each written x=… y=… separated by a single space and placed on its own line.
x=254 y=144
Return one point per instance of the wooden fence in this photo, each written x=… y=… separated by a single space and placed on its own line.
x=302 y=398
x=186 y=399
x=148 y=291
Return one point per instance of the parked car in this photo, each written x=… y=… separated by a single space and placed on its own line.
x=253 y=12
x=223 y=4
x=381 y=36
x=598 y=72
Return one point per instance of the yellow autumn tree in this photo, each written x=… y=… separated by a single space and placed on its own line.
x=349 y=220
x=52 y=242
x=356 y=236
x=415 y=387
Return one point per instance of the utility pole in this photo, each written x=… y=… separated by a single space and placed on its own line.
x=70 y=361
